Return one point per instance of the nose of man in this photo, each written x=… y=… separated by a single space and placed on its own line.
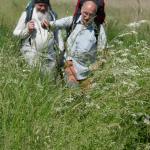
x=42 y=7
x=86 y=19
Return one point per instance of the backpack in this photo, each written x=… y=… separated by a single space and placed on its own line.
x=99 y=19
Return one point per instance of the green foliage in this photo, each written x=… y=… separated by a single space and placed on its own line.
x=37 y=112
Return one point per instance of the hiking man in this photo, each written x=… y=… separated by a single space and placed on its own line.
x=38 y=41
x=99 y=21
x=81 y=43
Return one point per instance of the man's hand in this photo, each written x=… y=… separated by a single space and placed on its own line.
x=31 y=26
x=70 y=72
x=45 y=24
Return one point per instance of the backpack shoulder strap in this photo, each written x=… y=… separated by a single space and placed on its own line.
x=29 y=11
x=73 y=24
x=52 y=14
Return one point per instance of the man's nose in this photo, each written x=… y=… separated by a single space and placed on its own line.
x=43 y=8
x=87 y=17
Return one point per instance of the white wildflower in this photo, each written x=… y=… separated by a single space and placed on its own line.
x=110 y=46
x=89 y=104
x=128 y=33
x=88 y=96
x=94 y=85
x=112 y=53
x=146 y=70
x=130 y=72
x=58 y=109
x=103 y=60
x=135 y=122
x=121 y=61
x=133 y=56
x=137 y=23
x=118 y=42
x=97 y=106
x=135 y=67
x=127 y=50
x=124 y=55
x=134 y=115
x=70 y=99
x=125 y=82
x=147 y=121
x=140 y=54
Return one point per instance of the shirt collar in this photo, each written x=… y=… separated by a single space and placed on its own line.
x=79 y=19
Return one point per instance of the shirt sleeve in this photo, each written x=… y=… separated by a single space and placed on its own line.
x=60 y=40
x=21 y=29
x=62 y=23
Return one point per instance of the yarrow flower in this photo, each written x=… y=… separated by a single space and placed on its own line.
x=137 y=23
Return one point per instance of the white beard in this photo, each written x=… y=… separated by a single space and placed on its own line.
x=41 y=16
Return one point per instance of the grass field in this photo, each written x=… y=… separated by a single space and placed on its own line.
x=38 y=113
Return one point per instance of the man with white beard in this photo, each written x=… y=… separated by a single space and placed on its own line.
x=37 y=44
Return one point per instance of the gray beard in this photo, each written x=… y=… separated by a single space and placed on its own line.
x=42 y=16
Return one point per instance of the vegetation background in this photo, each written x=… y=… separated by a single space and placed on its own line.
x=36 y=113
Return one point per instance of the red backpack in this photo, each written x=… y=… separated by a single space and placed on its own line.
x=99 y=19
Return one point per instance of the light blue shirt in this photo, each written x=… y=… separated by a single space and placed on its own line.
x=81 y=46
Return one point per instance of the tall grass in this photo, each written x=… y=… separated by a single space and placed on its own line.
x=39 y=113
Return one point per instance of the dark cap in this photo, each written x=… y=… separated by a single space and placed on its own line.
x=42 y=1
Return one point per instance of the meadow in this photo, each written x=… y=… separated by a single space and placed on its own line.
x=39 y=113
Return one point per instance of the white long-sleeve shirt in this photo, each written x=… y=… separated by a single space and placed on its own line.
x=40 y=40
x=38 y=37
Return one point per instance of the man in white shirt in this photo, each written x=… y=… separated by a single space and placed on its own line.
x=81 y=44
x=38 y=41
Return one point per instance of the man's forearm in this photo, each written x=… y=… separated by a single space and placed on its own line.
x=21 y=29
x=22 y=33
x=62 y=23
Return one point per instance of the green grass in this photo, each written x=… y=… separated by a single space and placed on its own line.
x=39 y=113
